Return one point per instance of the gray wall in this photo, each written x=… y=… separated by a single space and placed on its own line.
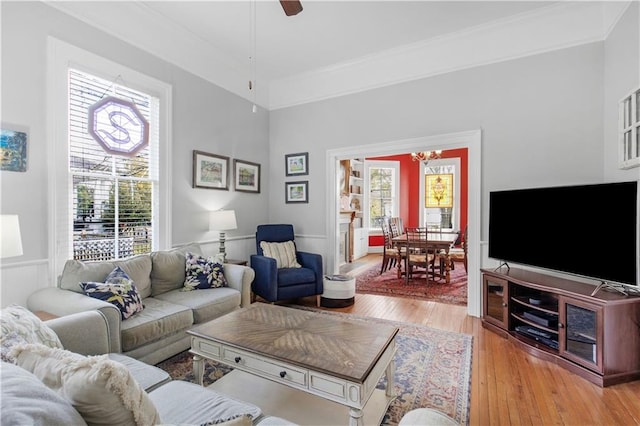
x=205 y=117
x=548 y=119
x=621 y=76
x=541 y=121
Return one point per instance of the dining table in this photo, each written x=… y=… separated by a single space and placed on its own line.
x=440 y=242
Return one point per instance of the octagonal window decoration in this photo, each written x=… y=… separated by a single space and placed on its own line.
x=118 y=126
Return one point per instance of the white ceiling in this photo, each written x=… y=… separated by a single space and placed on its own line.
x=331 y=47
x=327 y=32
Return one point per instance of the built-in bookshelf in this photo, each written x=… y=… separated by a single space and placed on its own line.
x=352 y=184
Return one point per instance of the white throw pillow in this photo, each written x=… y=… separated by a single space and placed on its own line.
x=103 y=391
x=25 y=400
x=284 y=253
x=19 y=325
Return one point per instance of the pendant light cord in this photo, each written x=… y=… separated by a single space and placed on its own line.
x=252 y=53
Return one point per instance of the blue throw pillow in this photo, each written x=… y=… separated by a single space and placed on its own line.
x=117 y=289
x=203 y=272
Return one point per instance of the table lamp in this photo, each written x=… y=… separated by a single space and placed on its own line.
x=10 y=239
x=222 y=220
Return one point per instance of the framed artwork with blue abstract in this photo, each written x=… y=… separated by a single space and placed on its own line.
x=13 y=150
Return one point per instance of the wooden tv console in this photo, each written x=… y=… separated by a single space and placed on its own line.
x=596 y=337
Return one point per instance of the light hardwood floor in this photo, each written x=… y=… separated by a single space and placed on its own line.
x=508 y=385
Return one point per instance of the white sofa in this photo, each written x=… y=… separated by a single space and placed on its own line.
x=48 y=385
x=159 y=331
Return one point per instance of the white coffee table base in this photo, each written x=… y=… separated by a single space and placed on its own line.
x=294 y=405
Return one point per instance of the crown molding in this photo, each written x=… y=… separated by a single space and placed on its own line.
x=167 y=42
x=612 y=12
x=559 y=26
x=543 y=30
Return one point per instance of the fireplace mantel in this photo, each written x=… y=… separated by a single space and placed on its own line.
x=347 y=217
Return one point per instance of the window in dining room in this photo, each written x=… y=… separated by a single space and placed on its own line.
x=382 y=184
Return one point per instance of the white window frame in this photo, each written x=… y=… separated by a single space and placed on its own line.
x=629 y=123
x=387 y=164
x=61 y=57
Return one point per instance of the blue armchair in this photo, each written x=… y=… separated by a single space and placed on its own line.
x=273 y=284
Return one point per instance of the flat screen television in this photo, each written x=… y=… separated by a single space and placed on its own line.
x=585 y=230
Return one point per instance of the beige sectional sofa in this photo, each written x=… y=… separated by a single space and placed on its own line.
x=52 y=383
x=158 y=331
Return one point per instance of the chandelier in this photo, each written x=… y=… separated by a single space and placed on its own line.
x=426 y=155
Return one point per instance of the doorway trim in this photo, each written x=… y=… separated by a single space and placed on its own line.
x=472 y=140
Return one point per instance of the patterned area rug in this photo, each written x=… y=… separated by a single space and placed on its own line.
x=388 y=284
x=433 y=369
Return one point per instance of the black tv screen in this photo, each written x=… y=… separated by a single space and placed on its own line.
x=586 y=230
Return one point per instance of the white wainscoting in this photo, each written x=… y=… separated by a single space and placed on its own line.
x=18 y=280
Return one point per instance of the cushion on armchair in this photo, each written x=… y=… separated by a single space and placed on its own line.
x=295 y=276
x=284 y=253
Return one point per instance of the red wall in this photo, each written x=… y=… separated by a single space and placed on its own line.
x=410 y=188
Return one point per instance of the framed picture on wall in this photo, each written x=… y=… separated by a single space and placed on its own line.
x=13 y=145
x=247 y=176
x=210 y=171
x=297 y=164
x=297 y=192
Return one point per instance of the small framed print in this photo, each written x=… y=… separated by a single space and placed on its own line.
x=297 y=164
x=13 y=146
x=247 y=176
x=297 y=192
x=210 y=171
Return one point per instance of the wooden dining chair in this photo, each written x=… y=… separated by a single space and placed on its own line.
x=460 y=254
x=396 y=225
x=389 y=250
x=419 y=258
x=437 y=266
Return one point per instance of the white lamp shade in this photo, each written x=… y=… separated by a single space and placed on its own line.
x=222 y=220
x=10 y=240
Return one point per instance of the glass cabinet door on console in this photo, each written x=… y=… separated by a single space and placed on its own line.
x=581 y=331
x=495 y=301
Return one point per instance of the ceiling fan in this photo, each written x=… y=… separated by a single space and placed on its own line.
x=291 y=7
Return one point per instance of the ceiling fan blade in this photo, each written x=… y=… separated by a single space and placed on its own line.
x=291 y=7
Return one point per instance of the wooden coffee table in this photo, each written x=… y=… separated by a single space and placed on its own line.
x=321 y=369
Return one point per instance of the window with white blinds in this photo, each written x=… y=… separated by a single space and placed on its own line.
x=113 y=198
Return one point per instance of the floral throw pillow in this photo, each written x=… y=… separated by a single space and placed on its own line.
x=203 y=272
x=117 y=289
